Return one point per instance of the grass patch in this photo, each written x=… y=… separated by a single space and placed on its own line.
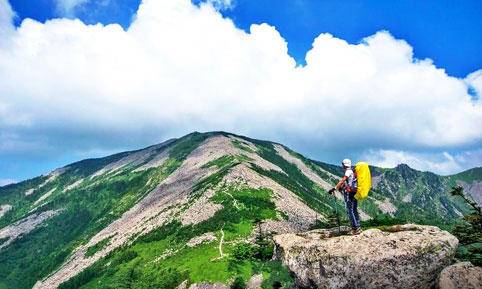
x=227 y=160
x=220 y=162
x=97 y=247
x=240 y=145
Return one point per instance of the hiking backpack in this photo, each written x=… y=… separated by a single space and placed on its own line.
x=364 y=180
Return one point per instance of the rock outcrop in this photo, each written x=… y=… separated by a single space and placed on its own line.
x=403 y=256
x=461 y=275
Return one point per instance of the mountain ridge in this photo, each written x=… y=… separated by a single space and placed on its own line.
x=476 y=171
x=169 y=194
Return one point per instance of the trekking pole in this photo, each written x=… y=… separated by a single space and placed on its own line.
x=332 y=192
x=337 y=216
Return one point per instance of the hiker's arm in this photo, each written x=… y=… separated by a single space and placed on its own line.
x=341 y=182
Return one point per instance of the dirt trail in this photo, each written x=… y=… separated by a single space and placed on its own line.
x=235 y=202
x=221 y=241
x=221 y=255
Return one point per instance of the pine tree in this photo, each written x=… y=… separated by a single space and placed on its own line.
x=469 y=232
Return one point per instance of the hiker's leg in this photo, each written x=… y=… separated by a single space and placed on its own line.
x=349 y=208
x=355 y=211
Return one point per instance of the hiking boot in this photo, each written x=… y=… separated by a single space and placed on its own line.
x=355 y=231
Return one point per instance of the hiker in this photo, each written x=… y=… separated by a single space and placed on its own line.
x=348 y=186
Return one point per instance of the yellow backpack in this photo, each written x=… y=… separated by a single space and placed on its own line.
x=364 y=180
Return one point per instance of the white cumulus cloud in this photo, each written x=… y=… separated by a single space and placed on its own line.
x=442 y=163
x=6 y=20
x=181 y=67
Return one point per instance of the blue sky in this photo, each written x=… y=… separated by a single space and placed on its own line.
x=413 y=66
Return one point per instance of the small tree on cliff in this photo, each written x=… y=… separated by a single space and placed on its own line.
x=469 y=232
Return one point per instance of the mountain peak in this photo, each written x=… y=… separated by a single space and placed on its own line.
x=405 y=170
x=403 y=166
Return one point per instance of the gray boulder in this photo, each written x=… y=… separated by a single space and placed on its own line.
x=461 y=275
x=402 y=256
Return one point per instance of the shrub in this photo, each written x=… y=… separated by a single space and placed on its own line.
x=244 y=252
x=238 y=283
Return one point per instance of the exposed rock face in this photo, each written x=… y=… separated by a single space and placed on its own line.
x=183 y=284
x=387 y=207
x=29 y=192
x=134 y=159
x=4 y=209
x=73 y=185
x=204 y=238
x=407 y=198
x=474 y=189
x=376 y=180
x=461 y=275
x=44 y=196
x=24 y=226
x=201 y=210
x=205 y=285
x=404 y=256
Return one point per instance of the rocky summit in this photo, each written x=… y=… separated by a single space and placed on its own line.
x=202 y=209
x=402 y=256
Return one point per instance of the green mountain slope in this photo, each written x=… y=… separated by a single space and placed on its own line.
x=471 y=181
x=197 y=208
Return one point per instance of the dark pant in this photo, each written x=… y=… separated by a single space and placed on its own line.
x=351 y=205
